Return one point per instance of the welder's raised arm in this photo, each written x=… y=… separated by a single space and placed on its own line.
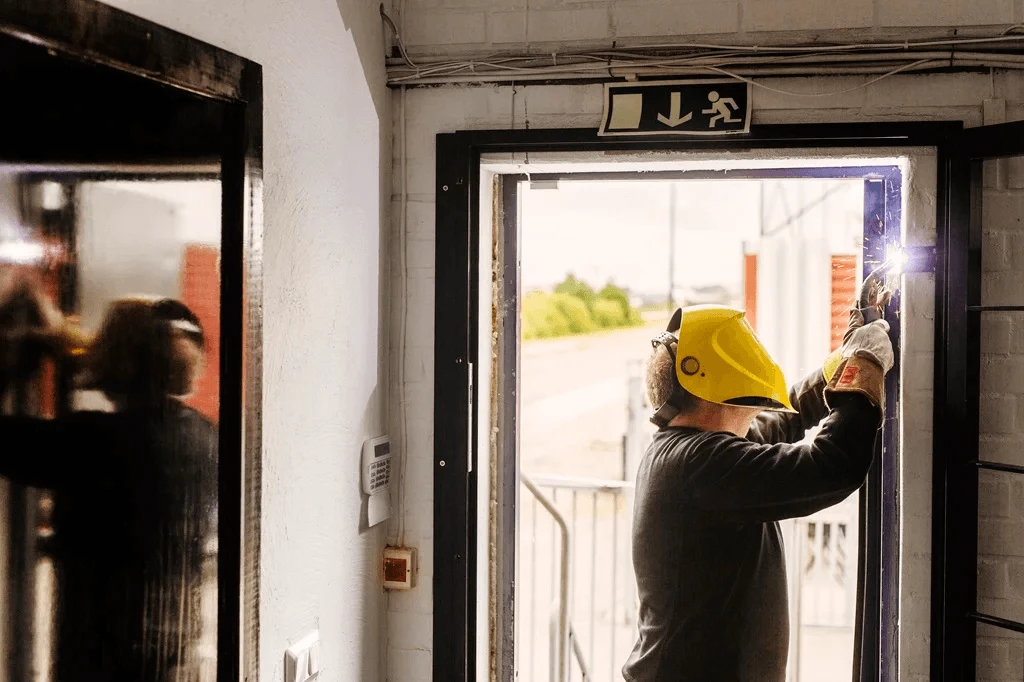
x=786 y=427
x=807 y=397
x=730 y=479
x=734 y=479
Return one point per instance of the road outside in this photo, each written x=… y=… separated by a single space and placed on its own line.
x=573 y=417
x=574 y=400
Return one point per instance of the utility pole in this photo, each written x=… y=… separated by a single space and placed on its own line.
x=671 y=246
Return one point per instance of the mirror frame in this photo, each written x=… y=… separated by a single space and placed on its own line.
x=105 y=37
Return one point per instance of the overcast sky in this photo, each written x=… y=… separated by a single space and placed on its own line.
x=618 y=231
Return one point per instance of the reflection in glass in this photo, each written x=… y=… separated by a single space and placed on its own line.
x=109 y=386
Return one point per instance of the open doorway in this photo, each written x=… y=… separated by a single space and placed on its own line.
x=601 y=259
x=930 y=522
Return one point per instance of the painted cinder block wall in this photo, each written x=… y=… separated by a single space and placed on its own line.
x=445 y=27
x=440 y=27
x=1000 y=495
x=326 y=152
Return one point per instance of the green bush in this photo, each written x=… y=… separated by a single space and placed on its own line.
x=630 y=315
x=541 y=318
x=575 y=312
x=619 y=296
x=608 y=314
x=574 y=308
x=578 y=289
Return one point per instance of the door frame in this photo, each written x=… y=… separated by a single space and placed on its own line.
x=955 y=613
x=92 y=33
x=457 y=191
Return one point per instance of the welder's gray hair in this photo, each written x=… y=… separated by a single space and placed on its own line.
x=661 y=380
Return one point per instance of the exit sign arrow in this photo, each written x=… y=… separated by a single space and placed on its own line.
x=673 y=119
x=677 y=108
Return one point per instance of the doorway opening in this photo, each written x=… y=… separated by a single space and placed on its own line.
x=593 y=257
x=960 y=209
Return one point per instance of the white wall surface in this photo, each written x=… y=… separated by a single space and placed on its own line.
x=196 y=202
x=10 y=218
x=326 y=158
x=450 y=26
x=128 y=244
x=900 y=98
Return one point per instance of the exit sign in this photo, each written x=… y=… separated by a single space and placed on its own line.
x=683 y=108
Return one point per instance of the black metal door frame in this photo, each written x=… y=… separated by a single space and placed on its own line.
x=957 y=383
x=456 y=337
x=116 y=42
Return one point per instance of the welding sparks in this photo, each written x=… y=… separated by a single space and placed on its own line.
x=896 y=259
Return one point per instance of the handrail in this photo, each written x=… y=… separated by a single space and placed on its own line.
x=560 y=662
x=578 y=654
x=579 y=483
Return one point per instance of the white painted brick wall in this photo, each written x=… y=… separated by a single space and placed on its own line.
x=945 y=13
x=786 y=15
x=918 y=357
x=453 y=26
x=686 y=18
x=942 y=97
x=1000 y=495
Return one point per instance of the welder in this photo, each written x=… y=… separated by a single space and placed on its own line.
x=723 y=469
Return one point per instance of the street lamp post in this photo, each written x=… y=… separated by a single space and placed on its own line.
x=671 y=246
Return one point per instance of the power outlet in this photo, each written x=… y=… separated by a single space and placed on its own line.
x=399 y=568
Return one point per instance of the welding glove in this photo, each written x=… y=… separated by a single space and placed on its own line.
x=867 y=356
x=832 y=362
x=876 y=297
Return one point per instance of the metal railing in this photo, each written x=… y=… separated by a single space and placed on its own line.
x=558 y=654
x=578 y=657
x=821 y=557
x=576 y=541
x=828 y=550
x=597 y=517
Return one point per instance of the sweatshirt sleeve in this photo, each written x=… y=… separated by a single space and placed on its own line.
x=734 y=480
x=784 y=427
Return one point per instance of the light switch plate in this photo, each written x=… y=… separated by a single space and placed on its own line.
x=302 y=659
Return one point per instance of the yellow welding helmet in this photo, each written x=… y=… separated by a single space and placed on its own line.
x=720 y=359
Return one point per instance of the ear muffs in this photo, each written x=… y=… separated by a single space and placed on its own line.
x=674 y=405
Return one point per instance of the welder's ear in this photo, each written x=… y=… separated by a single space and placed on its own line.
x=677 y=318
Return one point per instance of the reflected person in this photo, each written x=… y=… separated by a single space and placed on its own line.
x=134 y=489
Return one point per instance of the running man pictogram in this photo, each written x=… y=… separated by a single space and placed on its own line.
x=720 y=109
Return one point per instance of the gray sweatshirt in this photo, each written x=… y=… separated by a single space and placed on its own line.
x=707 y=549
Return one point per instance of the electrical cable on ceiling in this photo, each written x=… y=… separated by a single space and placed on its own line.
x=818 y=94
x=398 y=36
x=744 y=62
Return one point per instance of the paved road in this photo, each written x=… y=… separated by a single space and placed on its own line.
x=574 y=401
